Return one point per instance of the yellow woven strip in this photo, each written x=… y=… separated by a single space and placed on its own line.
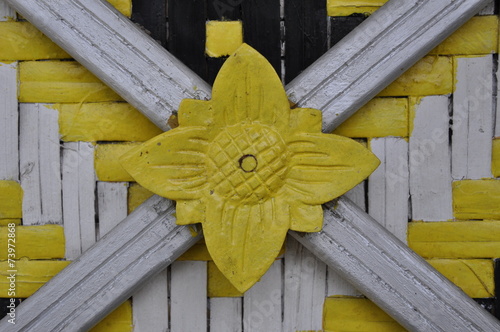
x=495 y=163
x=92 y=122
x=60 y=82
x=5 y=222
x=123 y=6
x=476 y=199
x=120 y=320
x=35 y=242
x=223 y=37
x=107 y=163
x=379 y=118
x=349 y=7
x=11 y=200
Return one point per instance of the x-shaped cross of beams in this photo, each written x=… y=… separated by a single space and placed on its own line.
x=340 y=82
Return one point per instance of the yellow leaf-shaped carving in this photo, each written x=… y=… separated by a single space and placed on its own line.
x=248 y=167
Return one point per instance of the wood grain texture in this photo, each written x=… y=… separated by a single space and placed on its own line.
x=111 y=205
x=9 y=121
x=472 y=118
x=89 y=33
x=226 y=314
x=388 y=185
x=188 y=296
x=347 y=76
x=304 y=290
x=58 y=307
x=392 y=275
x=40 y=165
x=430 y=169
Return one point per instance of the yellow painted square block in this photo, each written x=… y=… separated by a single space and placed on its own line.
x=11 y=200
x=107 y=163
x=461 y=239
x=218 y=285
x=30 y=276
x=495 y=163
x=120 y=320
x=223 y=37
x=92 y=122
x=432 y=75
x=349 y=7
x=474 y=276
x=476 y=199
x=36 y=242
x=123 y=6
x=22 y=41
x=379 y=118
x=61 y=82
x=137 y=195
x=478 y=36
x=346 y=314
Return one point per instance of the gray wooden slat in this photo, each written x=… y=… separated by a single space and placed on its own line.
x=108 y=273
x=118 y=52
x=392 y=275
x=375 y=53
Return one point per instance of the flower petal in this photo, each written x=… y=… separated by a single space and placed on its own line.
x=194 y=112
x=306 y=120
x=325 y=166
x=247 y=89
x=189 y=212
x=244 y=240
x=305 y=217
x=172 y=164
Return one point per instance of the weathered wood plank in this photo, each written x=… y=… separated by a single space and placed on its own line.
x=392 y=275
x=262 y=303
x=9 y=120
x=476 y=199
x=6 y=12
x=111 y=204
x=40 y=164
x=226 y=314
x=304 y=290
x=430 y=170
x=472 y=118
x=357 y=68
x=388 y=185
x=188 y=296
x=78 y=197
x=76 y=298
x=117 y=52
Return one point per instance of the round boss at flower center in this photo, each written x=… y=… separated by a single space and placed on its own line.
x=247 y=162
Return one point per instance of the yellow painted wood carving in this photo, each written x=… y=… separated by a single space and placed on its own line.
x=248 y=167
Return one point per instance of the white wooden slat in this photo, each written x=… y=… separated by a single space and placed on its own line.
x=9 y=121
x=150 y=305
x=112 y=205
x=262 y=303
x=358 y=67
x=430 y=169
x=78 y=197
x=304 y=290
x=6 y=12
x=118 y=52
x=40 y=164
x=358 y=195
x=393 y=276
x=188 y=296
x=388 y=186
x=338 y=285
x=226 y=314
x=108 y=273
x=473 y=118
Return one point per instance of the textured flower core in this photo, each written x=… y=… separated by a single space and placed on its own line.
x=247 y=162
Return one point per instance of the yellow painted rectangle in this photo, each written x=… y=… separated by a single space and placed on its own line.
x=123 y=6
x=30 y=276
x=474 y=276
x=120 y=320
x=379 y=118
x=22 y=41
x=495 y=163
x=11 y=200
x=5 y=222
x=136 y=196
x=35 y=242
x=223 y=37
x=107 y=161
x=218 y=285
x=61 y=82
x=476 y=199
x=460 y=239
x=432 y=75
x=347 y=314
x=92 y=122
x=349 y=7
x=478 y=36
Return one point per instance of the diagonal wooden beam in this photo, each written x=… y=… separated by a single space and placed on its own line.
x=48 y=16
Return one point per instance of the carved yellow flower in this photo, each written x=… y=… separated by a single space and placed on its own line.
x=248 y=167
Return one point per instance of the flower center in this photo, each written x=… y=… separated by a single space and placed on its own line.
x=247 y=162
